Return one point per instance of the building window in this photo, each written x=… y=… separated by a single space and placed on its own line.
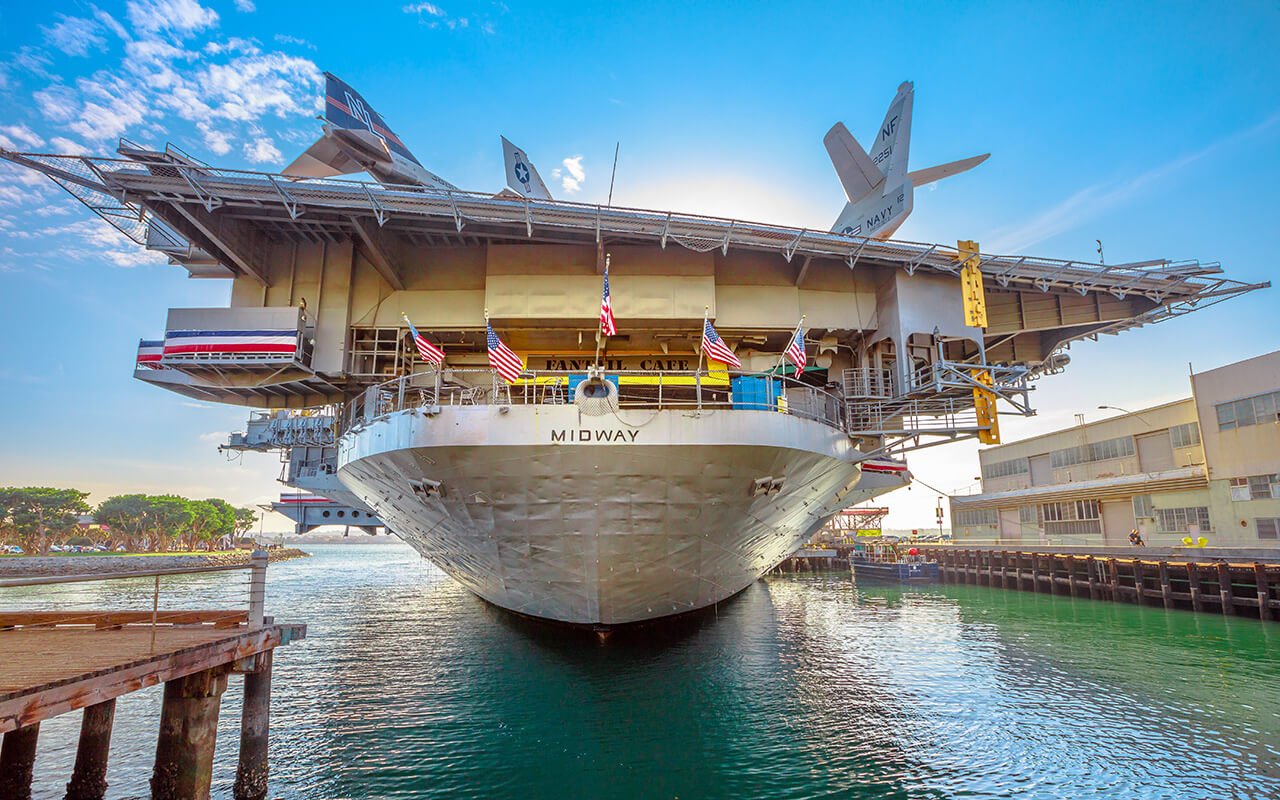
x=1071 y=518
x=1185 y=435
x=1255 y=487
x=977 y=516
x=1028 y=514
x=1178 y=520
x=1098 y=451
x=1268 y=527
x=1142 y=506
x=1003 y=469
x=1248 y=411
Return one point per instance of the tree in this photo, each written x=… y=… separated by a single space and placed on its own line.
x=33 y=512
x=128 y=516
x=210 y=520
x=246 y=518
x=171 y=514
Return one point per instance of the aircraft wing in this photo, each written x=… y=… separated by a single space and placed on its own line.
x=858 y=173
x=930 y=174
x=324 y=159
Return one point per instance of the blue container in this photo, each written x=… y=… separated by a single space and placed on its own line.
x=755 y=392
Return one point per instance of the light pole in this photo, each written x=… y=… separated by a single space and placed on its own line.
x=1127 y=411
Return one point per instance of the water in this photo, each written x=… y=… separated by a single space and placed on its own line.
x=803 y=686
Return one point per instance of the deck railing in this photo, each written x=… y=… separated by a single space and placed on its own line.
x=690 y=391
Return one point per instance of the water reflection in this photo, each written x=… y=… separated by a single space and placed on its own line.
x=802 y=686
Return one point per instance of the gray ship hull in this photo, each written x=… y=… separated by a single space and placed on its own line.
x=597 y=522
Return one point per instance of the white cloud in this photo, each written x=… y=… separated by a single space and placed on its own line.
x=57 y=103
x=92 y=240
x=110 y=119
x=246 y=6
x=17 y=137
x=110 y=23
x=262 y=151
x=62 y=144
x=75 y=36
x=213 y=437
x=284 y=38
x=430 y=9
x=573 y=176
x=178 y=17
x=216 y=139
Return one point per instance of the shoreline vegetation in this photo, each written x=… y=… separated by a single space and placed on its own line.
x=109 y=563
x=37 y=520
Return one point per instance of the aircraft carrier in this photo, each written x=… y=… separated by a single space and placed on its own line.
x=621 y=478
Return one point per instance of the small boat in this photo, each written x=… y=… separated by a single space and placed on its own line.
x=892 y=561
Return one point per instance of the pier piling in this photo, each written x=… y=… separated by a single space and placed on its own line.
x=89 y=776
x=17 y=759
x=1241 y=585
x=1224 y=589
x=253 y=769
x=1264 y=590
x=188 y=733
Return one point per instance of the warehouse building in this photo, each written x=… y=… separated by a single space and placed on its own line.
x=1204 y=467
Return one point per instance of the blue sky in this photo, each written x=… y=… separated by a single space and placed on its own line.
x=1155 y=128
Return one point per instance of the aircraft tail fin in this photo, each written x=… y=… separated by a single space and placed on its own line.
x=345 y=108
x=858 y=173
x=892 y=144
x=930 y=174
x=522 y=177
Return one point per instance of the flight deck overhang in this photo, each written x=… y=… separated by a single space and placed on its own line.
x=232 y=215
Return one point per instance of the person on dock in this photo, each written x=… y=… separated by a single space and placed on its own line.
x=1135 y=538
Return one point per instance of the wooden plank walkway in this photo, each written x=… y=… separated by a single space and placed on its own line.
x=56 y=661
x=50 y=671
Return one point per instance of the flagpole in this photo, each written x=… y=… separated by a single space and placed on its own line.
x=794 y=331
x=706 y=315
x=600 y=322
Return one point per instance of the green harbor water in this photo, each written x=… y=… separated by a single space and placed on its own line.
x=803 y=686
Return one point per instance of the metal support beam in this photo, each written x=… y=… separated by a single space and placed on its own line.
x=375 y=250
x=207 y=227
x=790 y=249
x=804 y=269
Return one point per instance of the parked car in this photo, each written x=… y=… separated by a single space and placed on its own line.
x=13 y=549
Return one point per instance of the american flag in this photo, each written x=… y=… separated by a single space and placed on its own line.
x=507 y=363
x=715 y=347
x=427 y=350
x=795 y=350
x=607 y=324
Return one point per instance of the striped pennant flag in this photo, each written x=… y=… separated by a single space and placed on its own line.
x=795 y=350
x=427 y=350
x=715 y=347
x=506 y=363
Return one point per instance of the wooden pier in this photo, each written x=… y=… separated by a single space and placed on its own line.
x=809 y=559
x=63 y=661
x=1219 y=585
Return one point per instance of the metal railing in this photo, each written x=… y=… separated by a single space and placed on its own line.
x=696 y=391
x=253 y=617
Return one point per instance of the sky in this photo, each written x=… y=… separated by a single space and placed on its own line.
x=1155 y=129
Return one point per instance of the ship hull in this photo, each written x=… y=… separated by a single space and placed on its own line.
x=600 y=522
